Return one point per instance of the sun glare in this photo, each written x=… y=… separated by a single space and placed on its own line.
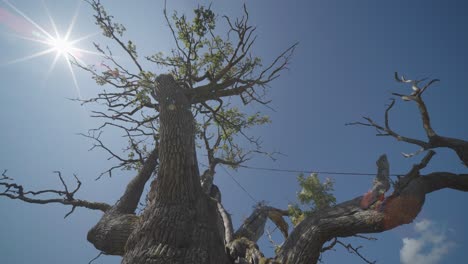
x=56 y=43
x=61 y=46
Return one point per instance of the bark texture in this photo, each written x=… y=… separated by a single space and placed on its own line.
x=111 y=233
x=180 y=223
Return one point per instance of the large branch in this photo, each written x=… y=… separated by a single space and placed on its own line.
x=128 y=203
x=349 y=218
x=440 y=180
x=110 y=234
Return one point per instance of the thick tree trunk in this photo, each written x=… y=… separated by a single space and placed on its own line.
x=180 y=223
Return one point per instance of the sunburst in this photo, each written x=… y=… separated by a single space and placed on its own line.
x=62 y=45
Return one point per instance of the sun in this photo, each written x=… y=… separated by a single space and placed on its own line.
x=60 y=44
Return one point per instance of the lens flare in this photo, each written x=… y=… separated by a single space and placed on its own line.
x=61 y=45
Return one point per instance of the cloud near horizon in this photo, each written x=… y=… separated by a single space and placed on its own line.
x=429 y=247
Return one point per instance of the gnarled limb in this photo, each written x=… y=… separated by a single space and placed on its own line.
x=349 y=218
x=244 y=251
x=128 y=203
x=433 y=139
x=243 y=248
x=254 y=226
x=381 y=183
x=66 y=197
x=225 y=224
x=111 y=233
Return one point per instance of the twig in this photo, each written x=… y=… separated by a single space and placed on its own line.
x=91 y=261
x=355 y=250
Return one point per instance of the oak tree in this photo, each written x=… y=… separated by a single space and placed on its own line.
x=168 y=117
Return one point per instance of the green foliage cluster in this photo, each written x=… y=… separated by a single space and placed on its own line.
x=203 y=21
x=314 y=194
x=201 y=52
x=234 y=121
x=210 y=65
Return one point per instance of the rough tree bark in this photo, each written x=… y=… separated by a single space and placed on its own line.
x=179 y=225
x=111 y=233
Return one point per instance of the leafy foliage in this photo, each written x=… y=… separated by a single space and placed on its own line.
x=201 y=54
x=314 y=195
x=207 y=66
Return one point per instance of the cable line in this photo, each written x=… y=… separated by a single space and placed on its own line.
x=291 y=171
x=240 y=185
x=312 y=171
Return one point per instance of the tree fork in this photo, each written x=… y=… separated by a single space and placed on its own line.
x=111 y=233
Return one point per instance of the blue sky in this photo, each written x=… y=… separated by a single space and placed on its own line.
x=342 y=70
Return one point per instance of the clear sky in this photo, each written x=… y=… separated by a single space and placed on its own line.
x=342 y=70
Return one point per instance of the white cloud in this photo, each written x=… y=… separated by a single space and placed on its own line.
x=429 y=248
x=422 y=225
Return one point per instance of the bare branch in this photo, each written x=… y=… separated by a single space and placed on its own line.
x=4 y=176
x=112 y=30
x=99 y=144
x=95 y=258
x=355 y=250
x=387 y=131
x=237 y=84
x=16 y=191
x=330 y=246
x=366 y=237
x=434 y=140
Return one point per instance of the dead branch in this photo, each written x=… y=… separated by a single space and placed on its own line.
x=387 y=131
x=355 y=250
x=123 y=162
x=17 y=191
x=433 y=139
x=254 y=226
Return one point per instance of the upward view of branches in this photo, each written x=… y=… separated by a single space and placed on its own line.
x=169 y=117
